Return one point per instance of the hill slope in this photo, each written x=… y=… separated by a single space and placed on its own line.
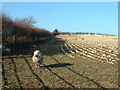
x=70 y=61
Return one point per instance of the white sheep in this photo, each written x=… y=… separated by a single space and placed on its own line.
x=37 y=58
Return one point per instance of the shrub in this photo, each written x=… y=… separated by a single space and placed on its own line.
x=14 y=32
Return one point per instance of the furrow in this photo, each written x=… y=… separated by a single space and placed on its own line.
x=86 y=52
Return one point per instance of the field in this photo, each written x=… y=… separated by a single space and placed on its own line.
x=70 y=61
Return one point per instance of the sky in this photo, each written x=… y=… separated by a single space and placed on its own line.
x=95 y=17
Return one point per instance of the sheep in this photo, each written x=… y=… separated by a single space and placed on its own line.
x=37 y=58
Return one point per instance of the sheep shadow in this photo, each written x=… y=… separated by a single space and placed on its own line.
x=56 y=65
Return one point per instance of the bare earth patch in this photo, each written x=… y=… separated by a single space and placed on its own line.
x=70 y=61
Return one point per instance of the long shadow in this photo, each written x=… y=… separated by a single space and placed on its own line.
x=20 y=48
x=81 y=75
x=60 y=77
x=51 y=46
x=75 y=71
x=57 y=65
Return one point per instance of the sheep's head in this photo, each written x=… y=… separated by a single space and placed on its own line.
x=37 y=53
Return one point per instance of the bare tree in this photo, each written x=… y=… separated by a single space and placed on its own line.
x=29 y=20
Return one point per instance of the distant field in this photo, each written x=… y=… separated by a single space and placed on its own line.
x=70 y=61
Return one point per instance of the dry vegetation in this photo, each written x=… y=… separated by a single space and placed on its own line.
x=16 y=32
x=70 y=61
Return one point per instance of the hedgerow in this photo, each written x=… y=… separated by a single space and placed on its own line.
x=15 y=32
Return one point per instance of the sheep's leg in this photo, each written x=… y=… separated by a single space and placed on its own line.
x=40 y=62
x=36 y=64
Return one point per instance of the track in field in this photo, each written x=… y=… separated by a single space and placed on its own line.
x=73 y=66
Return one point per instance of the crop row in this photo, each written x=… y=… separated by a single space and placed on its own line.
x=58 y=71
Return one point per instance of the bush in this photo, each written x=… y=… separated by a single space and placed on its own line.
x=16 y=32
